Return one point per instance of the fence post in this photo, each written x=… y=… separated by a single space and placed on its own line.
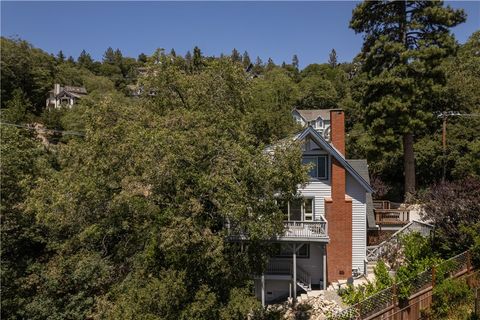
x=395 y=301
x=477 y=302
x=433 y=276
x=469 y=261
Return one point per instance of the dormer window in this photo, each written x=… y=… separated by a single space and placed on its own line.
x=318 y=166
x=319 y=123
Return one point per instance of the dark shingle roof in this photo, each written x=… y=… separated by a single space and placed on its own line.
x=361 y=166
x=77 y=90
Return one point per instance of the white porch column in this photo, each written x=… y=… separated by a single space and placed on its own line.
x=294 y=285
x=324 y=267
x=263 y=290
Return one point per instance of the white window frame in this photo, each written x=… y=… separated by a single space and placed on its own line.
x=317 y=157
x=304 y=215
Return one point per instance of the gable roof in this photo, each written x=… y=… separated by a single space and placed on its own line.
x=313 y=114
x=77 y=90
x=361 y=166
x=335 y=153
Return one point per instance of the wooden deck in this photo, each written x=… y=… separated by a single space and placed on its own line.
x=390 y=213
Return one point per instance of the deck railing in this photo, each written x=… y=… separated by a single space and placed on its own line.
x=392 y=216
x=292 y=230
x=375 y=252
x=305 y=229
x=387 y=212
x=279 y=267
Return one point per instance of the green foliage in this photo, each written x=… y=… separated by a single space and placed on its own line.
x=23 y=241
x=352 y=295
x=18 y=109
x=453 y=208
x=134 y=213
x=27 y=69
x=404 y=45
x=449 y=296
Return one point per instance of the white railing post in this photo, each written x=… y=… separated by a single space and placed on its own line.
x=294 y=284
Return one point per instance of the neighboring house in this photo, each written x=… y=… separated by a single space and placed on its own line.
x=325 y=235
x=319 y=119
x=65 y=96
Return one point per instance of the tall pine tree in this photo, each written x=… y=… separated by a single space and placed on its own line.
x=236 y=55
x=197 y=58
x=295 y=61
x=332 y=58
x=246 y=59
x=404 y=44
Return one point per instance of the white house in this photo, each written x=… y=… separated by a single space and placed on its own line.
x=64 y=96
x=325 y=234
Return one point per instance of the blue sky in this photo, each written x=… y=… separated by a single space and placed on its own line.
x=265 y=29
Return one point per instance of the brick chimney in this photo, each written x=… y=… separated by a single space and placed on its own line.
x=337 y=127
x=338 y=209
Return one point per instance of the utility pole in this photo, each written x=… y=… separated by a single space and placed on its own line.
x=444 y=115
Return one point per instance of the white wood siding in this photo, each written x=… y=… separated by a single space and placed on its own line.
x=359 y=222
x=318 y=190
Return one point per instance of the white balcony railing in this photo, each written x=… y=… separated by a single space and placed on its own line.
x=294 y=230
x=305 y=229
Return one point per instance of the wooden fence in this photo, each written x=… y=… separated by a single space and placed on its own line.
x=388 y=303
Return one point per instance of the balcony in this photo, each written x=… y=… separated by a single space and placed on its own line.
x=305 y=231
x=390 y=213
x=312 y=231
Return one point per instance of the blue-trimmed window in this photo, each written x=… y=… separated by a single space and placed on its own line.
x=318 y=166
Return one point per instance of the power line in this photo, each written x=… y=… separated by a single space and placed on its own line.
x=29 y=127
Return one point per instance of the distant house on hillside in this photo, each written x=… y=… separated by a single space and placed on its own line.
x=65 y=96
x=318 y=119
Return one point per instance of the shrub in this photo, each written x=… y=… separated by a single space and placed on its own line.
x=448 y=296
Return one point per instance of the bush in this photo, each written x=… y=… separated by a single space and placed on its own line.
x=449 y=296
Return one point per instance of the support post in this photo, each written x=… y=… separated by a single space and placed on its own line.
x=263 y=290
x=324 y=267
x=477 y=302
x=395 y=301
x=444 y=146
x=294 y=284
x=434 y=274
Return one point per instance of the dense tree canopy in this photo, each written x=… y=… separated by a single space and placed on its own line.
x=127 y=218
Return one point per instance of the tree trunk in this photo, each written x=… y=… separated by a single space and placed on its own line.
x=409 y=165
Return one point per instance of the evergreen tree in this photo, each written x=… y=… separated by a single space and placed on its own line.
x=109 y=56
x=118 y=57
x=173 y=53
x=404 y=43
x=142 y=57
x=85 y=60
x=188 y=61
x=270 y=64
x=246 y=59
x=70 y=60
x=235 y=56
x=197 y=60
x=60 y=57
x=295 y=61
x=332 y=58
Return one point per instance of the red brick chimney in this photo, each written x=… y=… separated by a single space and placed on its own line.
x=337 y=127
x=338 y=209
